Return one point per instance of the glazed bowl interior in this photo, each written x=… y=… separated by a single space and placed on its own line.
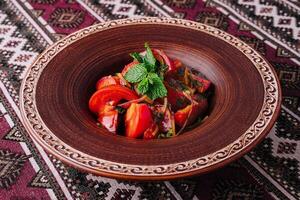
x=68 y=81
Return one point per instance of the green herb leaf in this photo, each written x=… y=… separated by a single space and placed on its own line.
x=148 y=79
x=149 y=58
x=152 y=76
x=149 y=67
x=166 y=135
x=156 y=89
x=136 y=73
x=163 y=67
x=137 y=57
x=143 y=86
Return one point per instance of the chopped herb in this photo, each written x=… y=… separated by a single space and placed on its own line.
x=161 y=71
x=166 y=135
x=120 y=109
x=177 y=84
x=181 y=102
x=195 y=83
x=199 y=97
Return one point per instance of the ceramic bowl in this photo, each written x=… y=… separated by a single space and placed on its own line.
x=55 y=93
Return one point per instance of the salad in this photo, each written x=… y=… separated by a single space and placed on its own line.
x=152 y=97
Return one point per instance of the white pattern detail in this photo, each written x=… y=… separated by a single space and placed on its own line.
x=115 y=185
x=10 y=43
x=272 y=11
x=24 y=58
x=2 y=17
x=120 y=8
x=283 y=152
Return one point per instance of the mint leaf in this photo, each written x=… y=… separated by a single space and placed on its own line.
x=143 y=86
x=149 y=58
x=137 y=57
x=136 y=73
x=148 y=79
x=152 y=76
x=149 y=67
x=156 y=89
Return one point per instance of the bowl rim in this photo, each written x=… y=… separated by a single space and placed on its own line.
x=38 y=130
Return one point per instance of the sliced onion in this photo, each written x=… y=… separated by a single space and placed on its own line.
x=127 y=104
x=123 y=80
x=162 y=54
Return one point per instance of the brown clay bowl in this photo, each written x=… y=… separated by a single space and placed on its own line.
x=56 y=89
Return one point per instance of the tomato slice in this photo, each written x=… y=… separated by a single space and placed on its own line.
x=202 y=84
x=106 y=81
x=109 y=120
x=138 y=119
x=112 y=93
x=176 y=98
x=177 y=63
x=198 y=110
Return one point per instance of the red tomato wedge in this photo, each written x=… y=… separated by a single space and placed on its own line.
x=176 y=98
x=112 y=93
x=197 y=110
x=109 y=120
x=138 y=119
x=203 y=83
x=106 y=81
x=177 y=63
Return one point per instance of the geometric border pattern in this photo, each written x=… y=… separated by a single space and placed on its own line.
x=11 y=165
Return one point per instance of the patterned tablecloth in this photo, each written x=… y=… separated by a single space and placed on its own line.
x=270 y=171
